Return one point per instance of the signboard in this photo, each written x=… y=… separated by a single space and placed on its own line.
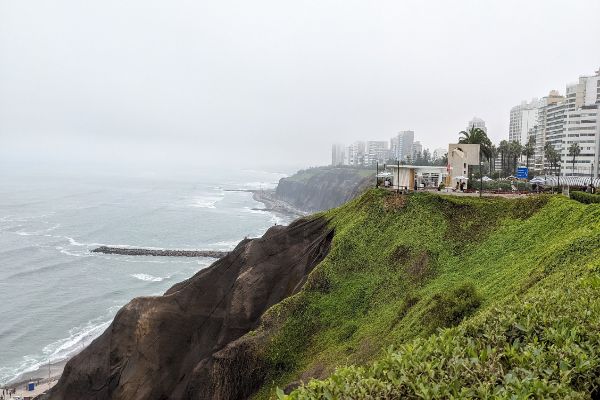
x=522 y=172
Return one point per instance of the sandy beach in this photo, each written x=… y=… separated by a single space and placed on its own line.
x=44 y=378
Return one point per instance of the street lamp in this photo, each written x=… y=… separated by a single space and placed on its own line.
x=591 y=173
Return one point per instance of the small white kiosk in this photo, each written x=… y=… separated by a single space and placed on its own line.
x=405 y=177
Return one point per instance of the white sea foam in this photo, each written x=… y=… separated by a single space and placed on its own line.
x=148 y=277
x=207 y=201
x=62 y=349
x=227 y=245
x=70 y=253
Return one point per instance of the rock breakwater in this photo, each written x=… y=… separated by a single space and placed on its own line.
x=128 y=251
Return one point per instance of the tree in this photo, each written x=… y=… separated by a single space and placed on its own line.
x=574 y=151
x=529 y=149
x=477 y=136
x=552 y=156
x=514 y=150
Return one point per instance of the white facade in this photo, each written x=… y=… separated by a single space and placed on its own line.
x=376 y=151
x=582 y=127
x=356 y=153
x=416 y=149
x=476 y=122
x=540 y=130
x=460 y=158
x=406 y=177
x=523 y=119
x=401 y=145
x=338 y=155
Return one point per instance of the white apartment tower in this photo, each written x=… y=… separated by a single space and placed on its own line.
x=581 y=127
x=356 y=153
x=401 y=145
x=476 y=122
x=416 y=149
x=523 y=119
x=376 y=151
x=337 y=155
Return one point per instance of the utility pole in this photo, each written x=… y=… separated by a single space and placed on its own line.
x=377 y=174
x=398 y=181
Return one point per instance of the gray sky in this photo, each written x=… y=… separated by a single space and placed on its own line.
x=273 y=82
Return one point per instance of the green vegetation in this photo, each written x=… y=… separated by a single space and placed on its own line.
x=512 y=284
x=306 y=174
x=585 y=198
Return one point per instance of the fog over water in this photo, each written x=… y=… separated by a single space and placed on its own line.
x=157 y=84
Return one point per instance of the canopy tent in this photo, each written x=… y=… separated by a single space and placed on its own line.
x=486 y=179
x=461 y=178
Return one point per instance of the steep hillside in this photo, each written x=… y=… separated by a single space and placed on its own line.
x=512 y=284
x=319 y=189
x=186 y=344
x=522 y=274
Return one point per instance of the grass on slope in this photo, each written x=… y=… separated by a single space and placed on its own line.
x=400 y=268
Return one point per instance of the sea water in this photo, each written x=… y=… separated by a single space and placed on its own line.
x=56 y=296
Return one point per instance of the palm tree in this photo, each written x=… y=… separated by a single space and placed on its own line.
x=529 y=149
x=503 y=149
x=477 y=136
x=515 y=150
x=552 y=156
x=574 y=151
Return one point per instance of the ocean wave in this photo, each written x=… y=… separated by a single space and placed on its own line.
x=62 y=349
x=149 y=278
x=72 y=254
x=226 y=245
x=207 y=201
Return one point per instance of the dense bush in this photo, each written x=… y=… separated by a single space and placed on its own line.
x=585 y=198
x=451 y=307
x=546 y=345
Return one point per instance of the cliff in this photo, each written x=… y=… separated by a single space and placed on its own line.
x=319 y=189
x=472 y=297
x=186 y=344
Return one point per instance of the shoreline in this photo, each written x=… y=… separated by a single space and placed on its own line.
x=273 y=204
x=45 y=377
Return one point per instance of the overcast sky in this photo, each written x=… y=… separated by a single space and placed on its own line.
x=273 y=82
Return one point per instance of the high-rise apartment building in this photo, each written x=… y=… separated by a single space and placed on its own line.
x=581 y=127
x=337 y=155
x=476 y=122
x=523 y=119
x=561 y=121
x=376 y=151
x=540 y=129
x=401 y=145
x=417 y=149
x=356 y=153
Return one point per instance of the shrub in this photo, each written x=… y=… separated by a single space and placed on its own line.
x=585 y=198
x=450 y=308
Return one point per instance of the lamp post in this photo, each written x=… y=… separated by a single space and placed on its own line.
x=591 y=173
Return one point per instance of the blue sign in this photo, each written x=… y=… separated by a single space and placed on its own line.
x=522 y=172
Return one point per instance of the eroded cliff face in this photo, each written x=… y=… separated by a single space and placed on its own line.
x=190 y=343
x=325 y=189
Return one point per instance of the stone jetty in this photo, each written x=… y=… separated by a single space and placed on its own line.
x=128 y=251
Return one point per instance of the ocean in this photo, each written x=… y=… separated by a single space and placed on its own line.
x=56 y=296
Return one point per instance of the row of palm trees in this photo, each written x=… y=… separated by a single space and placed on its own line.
x=510 y=152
